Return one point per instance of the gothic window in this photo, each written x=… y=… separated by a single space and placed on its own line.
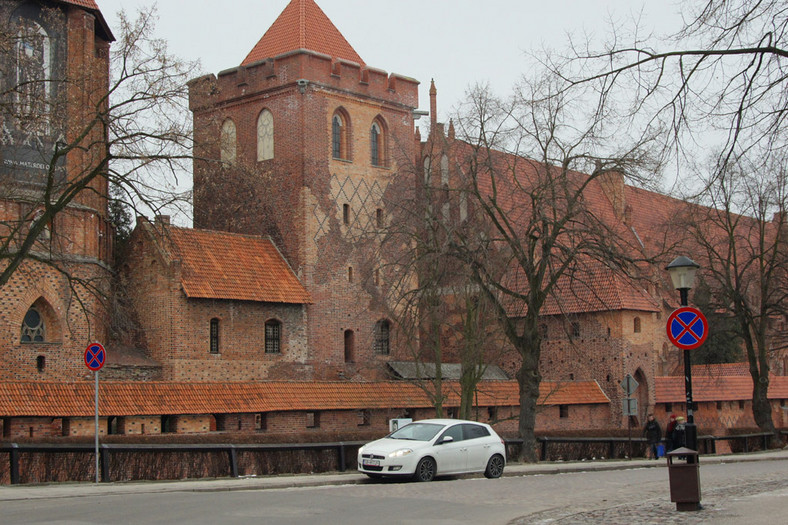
x=265 y=136
x=427 y=171
x=463 y=206
x=228 y=143
x=273 y=337
x=33 y=91
x=214 y=335
x=33 y=327
x=379 y=218
x=636 y=325
x=382 y=332
x=575 y=329
x=340 y=124
x=444 y=171
x=377 y=144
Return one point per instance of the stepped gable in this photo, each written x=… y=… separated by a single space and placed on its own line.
x=92 y=6
x=220 y=265
x=302 y=25
x=50 y=399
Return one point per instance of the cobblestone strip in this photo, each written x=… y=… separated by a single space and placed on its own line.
x=658 y=509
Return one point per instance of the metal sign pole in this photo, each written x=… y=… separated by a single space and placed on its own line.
x=97 y=426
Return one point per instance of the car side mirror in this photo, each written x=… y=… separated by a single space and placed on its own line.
x=446 y=439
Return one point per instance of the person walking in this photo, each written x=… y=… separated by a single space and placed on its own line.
x=669 y=433
x=679 y=436
x=653 y=433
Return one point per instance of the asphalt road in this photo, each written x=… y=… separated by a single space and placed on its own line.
x=749 y=492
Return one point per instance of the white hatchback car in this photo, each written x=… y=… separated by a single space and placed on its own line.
x=430 y=447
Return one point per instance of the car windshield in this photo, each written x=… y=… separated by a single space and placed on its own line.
x=417 y=431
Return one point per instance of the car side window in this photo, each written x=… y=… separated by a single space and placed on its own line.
x=475 y=431
x=455 y=432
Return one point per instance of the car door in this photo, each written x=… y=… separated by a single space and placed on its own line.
x=478 y=445
x=451 y=456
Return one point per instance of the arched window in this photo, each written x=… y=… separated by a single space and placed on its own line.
x=340 y=129
x=636 y=325
x=33 y=70
x=427 y=171
x=382 y=334
x=377 y=144
x=273 y=337
x=444 y=171
x=350 y=346
x=228 y=143
x=265 y=136
x=213 y=335
x=33 y=327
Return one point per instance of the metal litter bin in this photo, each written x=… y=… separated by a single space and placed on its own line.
x=684 y=476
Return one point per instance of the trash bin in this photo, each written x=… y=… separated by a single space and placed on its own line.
x=684 y=476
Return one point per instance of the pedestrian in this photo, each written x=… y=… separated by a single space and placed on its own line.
x=653 y=434
x=669 y=432
x=679 y=435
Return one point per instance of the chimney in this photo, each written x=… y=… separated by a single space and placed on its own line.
x=433 y=106
x=164 y=220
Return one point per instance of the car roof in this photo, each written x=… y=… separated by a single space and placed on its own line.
x=448 y=421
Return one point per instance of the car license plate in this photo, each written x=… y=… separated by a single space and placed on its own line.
x=371 y=462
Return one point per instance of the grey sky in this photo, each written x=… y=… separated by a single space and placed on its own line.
x=456 y=42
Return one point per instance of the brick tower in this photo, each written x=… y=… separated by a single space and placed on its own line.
x=300 y=142
x=55 y=68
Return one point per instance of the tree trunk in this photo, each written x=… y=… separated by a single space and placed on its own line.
x=528 y=378
x=762 y=408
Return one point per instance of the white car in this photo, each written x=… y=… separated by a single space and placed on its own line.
x=431 y=447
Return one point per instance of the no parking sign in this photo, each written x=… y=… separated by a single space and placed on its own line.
x=687 y=328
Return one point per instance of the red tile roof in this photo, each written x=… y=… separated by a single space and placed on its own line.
x=720 y=388
x=721 y=370
x=88 y=4
x=49 y=399
x=302 y=25
x=221 y=265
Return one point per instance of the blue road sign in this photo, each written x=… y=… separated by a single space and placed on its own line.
x=687 y=328
x=95 y=356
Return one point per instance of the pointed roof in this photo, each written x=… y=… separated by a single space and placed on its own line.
x=302 y=25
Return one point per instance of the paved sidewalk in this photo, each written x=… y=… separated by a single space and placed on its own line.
x=70 y=490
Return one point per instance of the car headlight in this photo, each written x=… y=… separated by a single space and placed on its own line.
x=399 y=453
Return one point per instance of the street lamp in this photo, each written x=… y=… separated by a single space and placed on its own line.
x=682 y=272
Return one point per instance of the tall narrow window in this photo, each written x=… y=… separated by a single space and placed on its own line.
x=444 y=171
x=379 y=218
x=350 y=274
x=427 y=171
x=265 y=136
x=33 y=71
x=340 y=130
x=33 y=327
x=636 y=325
x=382 y=330
x=346 y=214
x=350 y=346
x=214 y=336
x=377 y=143
x=273 y=337
x=228 y=143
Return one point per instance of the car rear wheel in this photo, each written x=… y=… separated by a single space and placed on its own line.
x=494 y=467
x=425 y=470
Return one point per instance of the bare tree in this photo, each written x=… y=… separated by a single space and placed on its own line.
x=741 y=232
x=85 y=134
x=525 y=161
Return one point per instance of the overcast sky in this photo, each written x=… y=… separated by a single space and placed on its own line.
x=456 y=42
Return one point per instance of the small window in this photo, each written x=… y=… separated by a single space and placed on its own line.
x=379 y=218
x=492 y=414
x=544 y=331
x=350 y=274
x=214 y=336
x=571 y=377
x=260 y=421
x=313 y=420
x=33 y=327
x=364 y=418
x=668 y=407
x=636 y=325
x=741 y=405
x=719 y=405
x=376 y=277
x=382 y=335
x=273 y=337
x=563 y=411
x=575 y=329
x=346 y=214
x=350 y=346
x=376 y=143
x=41 y=363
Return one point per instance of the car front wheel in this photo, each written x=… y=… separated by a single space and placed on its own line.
x=494 y=467
x=425 y=470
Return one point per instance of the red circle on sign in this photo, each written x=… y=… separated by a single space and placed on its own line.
x=95 y=355
x=683 y=325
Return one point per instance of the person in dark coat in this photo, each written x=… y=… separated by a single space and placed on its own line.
x=653 y=434
x=669 y=433
x=679 y=436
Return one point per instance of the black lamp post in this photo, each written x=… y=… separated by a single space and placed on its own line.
x=682 y=272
